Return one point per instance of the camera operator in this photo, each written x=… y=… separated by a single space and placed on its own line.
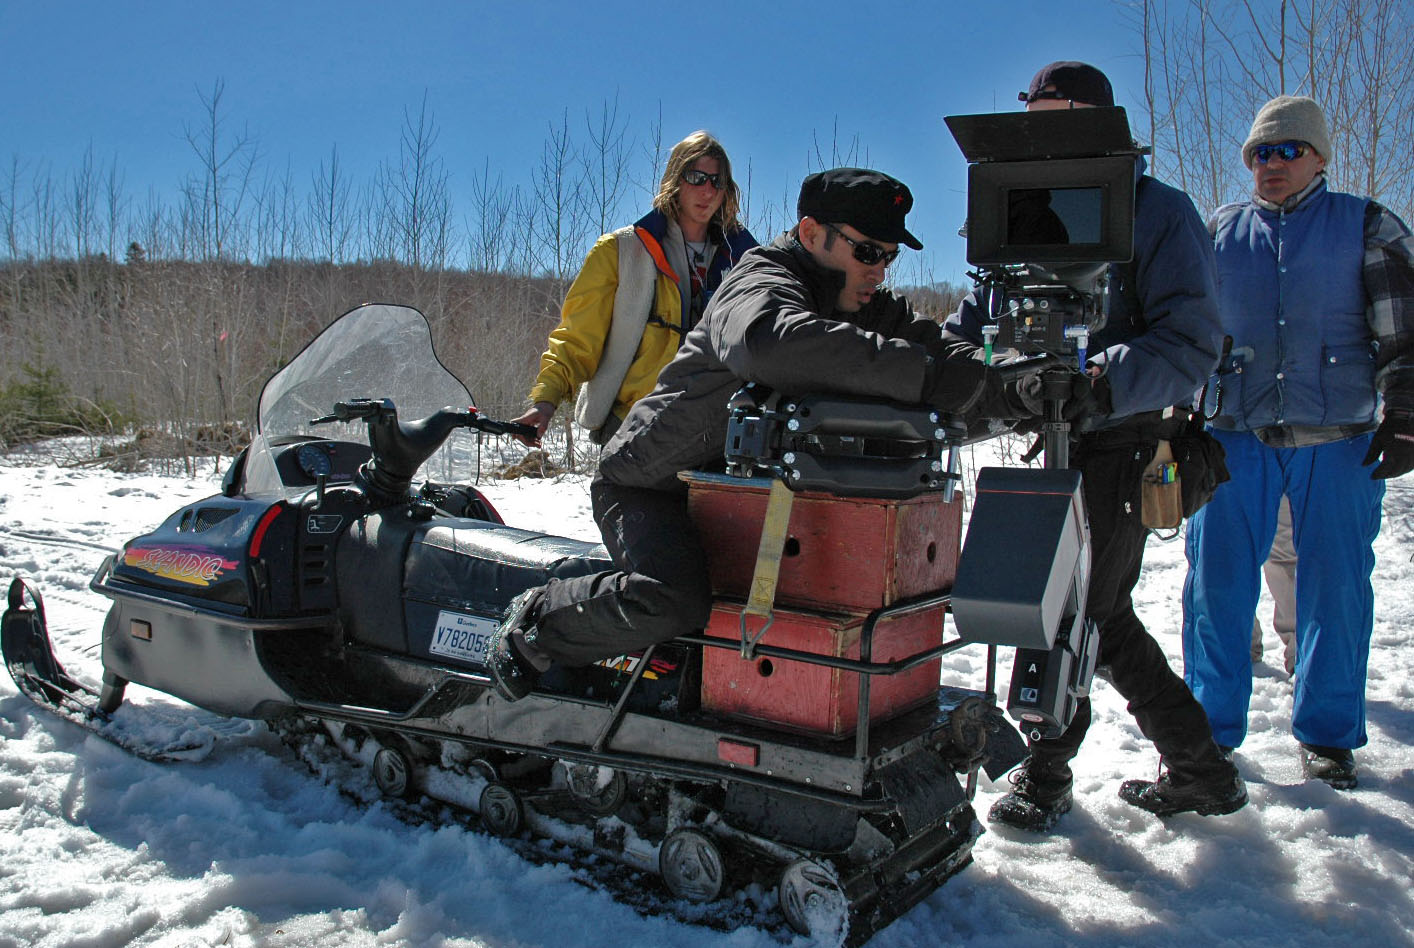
x=1159 y=343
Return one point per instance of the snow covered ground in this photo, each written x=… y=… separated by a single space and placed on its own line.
x=244 y=846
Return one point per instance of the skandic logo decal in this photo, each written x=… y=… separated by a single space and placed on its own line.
x=196 y=567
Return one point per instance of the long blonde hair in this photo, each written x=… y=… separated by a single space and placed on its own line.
x=699 y=144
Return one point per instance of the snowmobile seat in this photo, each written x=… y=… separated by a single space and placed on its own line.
x=465 y=572
x=468 y=559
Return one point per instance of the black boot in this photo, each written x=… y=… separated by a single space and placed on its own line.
x=1040 y=796
x=1207 y=796
x=511 y=656
x=1334 y=765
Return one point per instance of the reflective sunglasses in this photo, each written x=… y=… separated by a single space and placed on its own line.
x=1286 y=151
x=698 y=178
x=865 y=252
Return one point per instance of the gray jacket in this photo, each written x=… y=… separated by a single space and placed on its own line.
x=764 y=325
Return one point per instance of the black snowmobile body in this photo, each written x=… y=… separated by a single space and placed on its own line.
x=322 y=593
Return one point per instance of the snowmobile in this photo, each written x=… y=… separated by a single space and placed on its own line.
x=330 y=592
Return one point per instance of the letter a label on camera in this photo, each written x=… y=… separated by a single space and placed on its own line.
x=462 y=637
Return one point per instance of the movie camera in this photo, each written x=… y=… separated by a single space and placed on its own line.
x=1050 y=205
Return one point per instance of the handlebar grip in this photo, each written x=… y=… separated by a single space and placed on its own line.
x=355 y=409
x=509 y=428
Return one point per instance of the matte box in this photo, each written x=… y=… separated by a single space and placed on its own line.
x=817 y=699
x=841 y=553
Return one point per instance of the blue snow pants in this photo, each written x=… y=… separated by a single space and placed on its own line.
x=1335 y=517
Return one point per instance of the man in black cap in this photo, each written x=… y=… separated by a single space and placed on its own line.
x=1068 y=84
x=805 y=314
x=1160 y=341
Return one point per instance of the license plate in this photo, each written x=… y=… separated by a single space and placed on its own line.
x=462 y=637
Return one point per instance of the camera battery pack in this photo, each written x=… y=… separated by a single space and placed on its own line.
x=1025 y=564
x=1046 y=685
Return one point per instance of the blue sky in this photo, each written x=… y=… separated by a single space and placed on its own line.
x=768 y=78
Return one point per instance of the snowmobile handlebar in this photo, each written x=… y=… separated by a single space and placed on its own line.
x=399 y=447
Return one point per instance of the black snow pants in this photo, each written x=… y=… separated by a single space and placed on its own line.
x=1111 y=464
x=660 y=589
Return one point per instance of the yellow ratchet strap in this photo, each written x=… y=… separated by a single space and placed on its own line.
x=768 y=564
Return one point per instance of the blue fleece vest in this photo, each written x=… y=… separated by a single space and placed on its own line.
x=1293 y=299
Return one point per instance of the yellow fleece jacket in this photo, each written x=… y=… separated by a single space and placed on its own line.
x=577 y=343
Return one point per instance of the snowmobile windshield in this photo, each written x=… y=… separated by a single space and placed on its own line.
x=375 y=351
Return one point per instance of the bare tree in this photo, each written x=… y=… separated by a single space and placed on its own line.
x=327 y=212
x=115 y=204
x=839 y=157
x=416 y=202
x=154 y=228
x=83 y=204
x=653 y=153
x=606 y=164
x=12 y=208
x=46 y=225
x=279 y=233
x=489 y=236
x=215 y=196
x=559 y=196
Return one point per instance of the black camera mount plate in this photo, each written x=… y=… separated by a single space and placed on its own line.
x=840 y=444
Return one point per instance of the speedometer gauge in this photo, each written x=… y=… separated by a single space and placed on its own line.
x=314 y=460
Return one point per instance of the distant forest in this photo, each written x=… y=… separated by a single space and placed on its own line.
x=120 y=311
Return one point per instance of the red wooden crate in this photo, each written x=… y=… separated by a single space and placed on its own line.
x=842 y=553
x=817 y=699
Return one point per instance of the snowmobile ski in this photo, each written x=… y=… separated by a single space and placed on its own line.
x=150 y=734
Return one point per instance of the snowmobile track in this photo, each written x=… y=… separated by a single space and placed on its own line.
x=640 y=891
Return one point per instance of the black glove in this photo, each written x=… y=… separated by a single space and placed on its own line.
x=1024 y=397
x=1006 y=396
x=1392 y=446
x=1089 y=398
x=952 y=384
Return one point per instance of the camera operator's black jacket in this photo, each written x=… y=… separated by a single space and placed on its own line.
x=765 y=325
x=1162 y=337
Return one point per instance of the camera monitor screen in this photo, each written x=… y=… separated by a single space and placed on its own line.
x=1056 y=211
x=1054 y=216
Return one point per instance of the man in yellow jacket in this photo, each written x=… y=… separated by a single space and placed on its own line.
x=639 y=292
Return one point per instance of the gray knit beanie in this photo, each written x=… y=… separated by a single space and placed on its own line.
x=1289 y=118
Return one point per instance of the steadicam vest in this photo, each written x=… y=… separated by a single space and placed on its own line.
x=1293 y=299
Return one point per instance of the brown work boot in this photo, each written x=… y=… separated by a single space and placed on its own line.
x=1212 y=796
x=1039 y=798
x=1334 y=765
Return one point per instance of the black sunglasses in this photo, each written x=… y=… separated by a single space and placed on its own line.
x=698 y=178
x=1286 y=151
x=1029 y=97
x=865 y=252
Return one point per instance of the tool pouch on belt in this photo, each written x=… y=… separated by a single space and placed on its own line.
x=1202 y=466
x=1161 y=492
